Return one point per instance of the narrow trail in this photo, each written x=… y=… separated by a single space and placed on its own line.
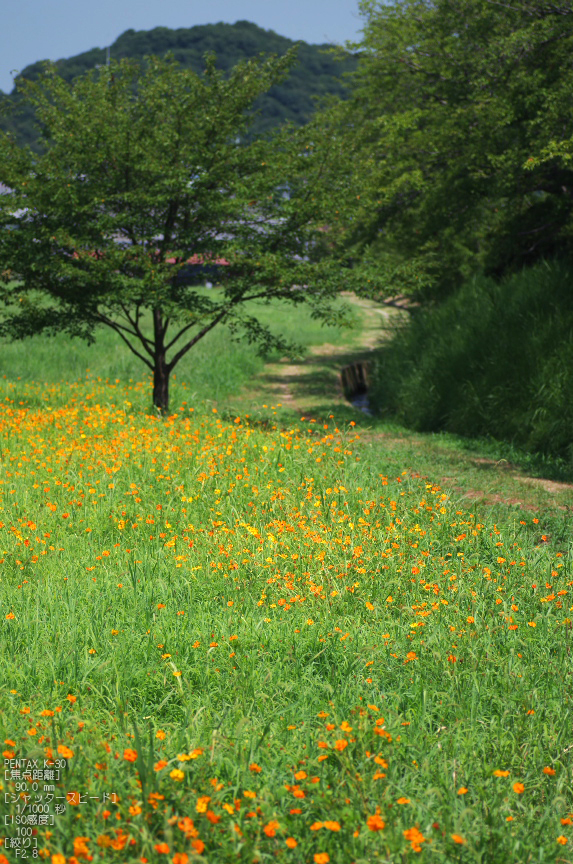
x=314 y=382
x=312 y=387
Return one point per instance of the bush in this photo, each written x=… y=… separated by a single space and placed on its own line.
x=496 y=359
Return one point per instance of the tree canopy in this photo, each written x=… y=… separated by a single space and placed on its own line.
x=463 y=113
x=144 y=178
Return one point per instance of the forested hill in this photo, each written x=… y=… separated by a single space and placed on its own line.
x=317 y=72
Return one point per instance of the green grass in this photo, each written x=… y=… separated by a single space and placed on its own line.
x=196 y=379
x=315 y=626
x=199 y=607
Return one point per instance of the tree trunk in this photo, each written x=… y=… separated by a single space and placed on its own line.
x=161 y=370
x=161 y=384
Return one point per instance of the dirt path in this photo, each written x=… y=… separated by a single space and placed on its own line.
x=312 y=388
x=314 y=383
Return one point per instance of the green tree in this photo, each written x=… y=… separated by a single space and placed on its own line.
x=463 y=110
x=144 y=170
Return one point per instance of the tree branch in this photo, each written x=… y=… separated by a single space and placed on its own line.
x=178 y=336
x=263 y=294
x=137 y=330
x=196 y=338
x=118 y=328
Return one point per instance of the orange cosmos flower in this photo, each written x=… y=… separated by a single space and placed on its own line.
x=162 y=848
x=321 y=858
x=518 y=788
x=81 y=847
x=291 y=843
x=340 y=745
x=375 y=822
x=256 y=769
x=201 y=806
x=548 y=770
x=414 y=835
x=562 y=840
x=130 y=755
x=73 y=798
x=186 y=825
x=65 y=751
x=458 y=839
x=180 y=858
x=271 y=829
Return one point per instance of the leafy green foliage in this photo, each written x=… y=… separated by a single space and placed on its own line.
x=463 y=112
x=143 y=172
x=496 y=359
x=316 y=74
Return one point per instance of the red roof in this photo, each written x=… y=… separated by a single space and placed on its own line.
x=200 y=259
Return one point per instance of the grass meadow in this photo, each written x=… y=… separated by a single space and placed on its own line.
x=264 y=641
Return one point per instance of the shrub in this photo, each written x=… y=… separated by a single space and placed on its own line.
x=496 y=359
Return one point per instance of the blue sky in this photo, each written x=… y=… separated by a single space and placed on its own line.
x=51 y=29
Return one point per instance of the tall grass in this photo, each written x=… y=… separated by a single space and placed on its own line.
x=496 y=359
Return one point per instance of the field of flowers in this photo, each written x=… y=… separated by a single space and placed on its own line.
x=247 y=641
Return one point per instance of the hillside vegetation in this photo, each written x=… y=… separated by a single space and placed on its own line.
x=467 y=166
x=495 y=359
x=315 y=75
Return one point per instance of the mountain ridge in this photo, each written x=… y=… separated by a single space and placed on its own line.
x=315 y=75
